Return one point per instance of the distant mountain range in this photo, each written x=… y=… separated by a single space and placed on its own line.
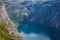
x=44 y=13
x=38 y=12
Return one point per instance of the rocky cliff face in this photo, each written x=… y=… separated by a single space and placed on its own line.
x=47 y=13
x=4 y=18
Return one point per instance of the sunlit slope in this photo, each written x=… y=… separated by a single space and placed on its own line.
x=4 y=35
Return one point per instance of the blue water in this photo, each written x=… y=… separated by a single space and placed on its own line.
x=38 y=28
x=41 y=13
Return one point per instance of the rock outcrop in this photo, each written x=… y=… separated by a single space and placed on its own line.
x=11 y=26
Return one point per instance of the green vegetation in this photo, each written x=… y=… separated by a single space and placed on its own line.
x=4 y=35
x=3 y=32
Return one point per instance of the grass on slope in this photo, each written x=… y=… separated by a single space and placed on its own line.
x=4 y=35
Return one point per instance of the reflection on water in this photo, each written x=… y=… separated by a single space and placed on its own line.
x=28 y=28
x=33 y=36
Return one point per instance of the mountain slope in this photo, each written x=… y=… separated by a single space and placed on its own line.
x=46 y=13
x=10 y=32
x=4 y=34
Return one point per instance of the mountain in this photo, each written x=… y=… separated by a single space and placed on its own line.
x=4 y=33
x=10 y=32
x=35 y=12
x=14 y=12
x=42 y=18
x=45 y=13
x=36 y=17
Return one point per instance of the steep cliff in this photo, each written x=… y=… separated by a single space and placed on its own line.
x=4 y=33
x=11 y=28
